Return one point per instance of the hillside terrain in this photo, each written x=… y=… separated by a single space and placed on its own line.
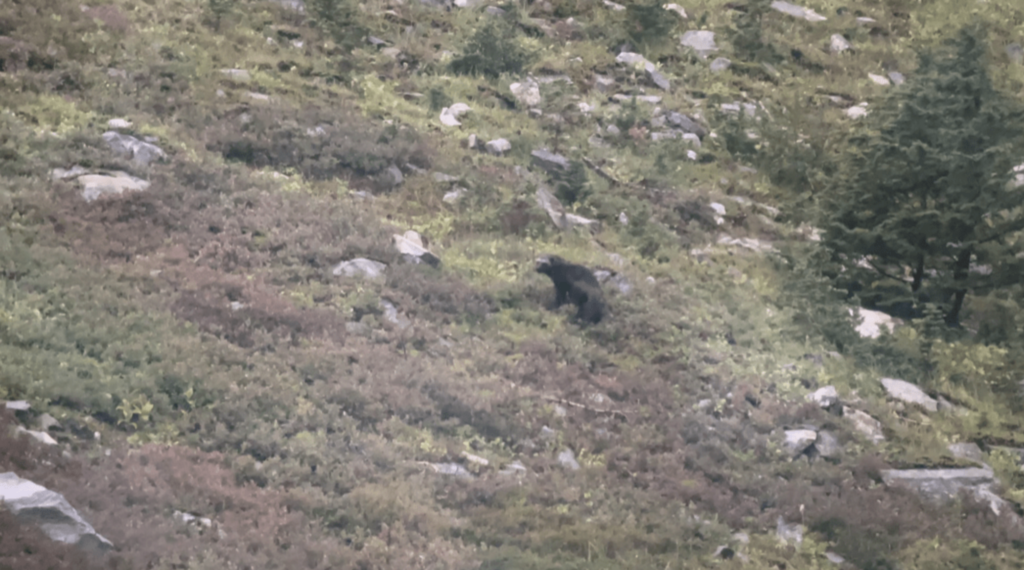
x=269 y=295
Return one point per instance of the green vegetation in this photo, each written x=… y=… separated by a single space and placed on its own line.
x=421 y=419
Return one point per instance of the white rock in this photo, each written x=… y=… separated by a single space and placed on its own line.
x=701 y=41
x=498 y=146
x=237 y=74
x=838 y=44
x=872 y=322
x=119 y=123
x=857 y=111
x=825 y=397
x=879 y=79
x=604 y=84
x=18 y=406
x=50 y=510
x=475 y=459
x=568 y=460
x=450 y=115
x=675 y=8
x=909 y=393
x=360 y=267
x=797 y=11
x=798 y=440
x=453 y=194
x=615 y=7
x=526 y=93
x=115 y=183
x=261 y=97
x=40 y=436
x=410 y=245
x=141 y=152
x=865 y=424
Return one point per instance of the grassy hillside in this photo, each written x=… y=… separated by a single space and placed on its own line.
x=441 y=417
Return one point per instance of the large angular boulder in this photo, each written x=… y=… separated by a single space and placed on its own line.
x=35 y=504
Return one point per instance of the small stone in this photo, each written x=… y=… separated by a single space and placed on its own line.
x=568 y=460
x=498 y=147
x=115 y=183
x=613 y=6
x=40 y=436
x=896 y=78
x=526 y=93
x=549 y=161
x=119 y=123
x=789 y=533
x=360 y=267
x=857 y=111
x=392 y=315
x=1016 y=53
x=797 y=11
x=967 y=450
x=865 y=424
x=260 y=97
x=450 y=115
x=452 y=470
x=239 y=75
x=46 y=421
x=825 y=397
x=878 y=79
x=673 y=7
x=604 y=84
x=701 y=41
x=18 y=406
x=834 y=558
x=453 y=195
x=720 y=64
x=623 y=218
x=839 y=44
x=798 y=440
x=909 y=393
x=827 y=445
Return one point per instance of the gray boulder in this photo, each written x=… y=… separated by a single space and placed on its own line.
x=701 y=41
x=548 y=160
x=35 y=504
x=798 y=440
x=656 y=77
x=410 y=245
x=720 y=64
x=909 y=393
x=686 y=124
x=865 y=424
x=95 y=186
x=141 y=153
x=797 y=11
x=568 y=460
x=498 y=147
x=360 y=267
x=827 y=445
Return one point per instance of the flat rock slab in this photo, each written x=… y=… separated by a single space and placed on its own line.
x=35 y=504
x=909 y=393
x=95 y=186
x=701 y=41
x=548 y=160
x=797 y=11
x=944 y=485
x=141 y=152
x=360 y=267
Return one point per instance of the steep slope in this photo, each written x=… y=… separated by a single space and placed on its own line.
x=188 y=301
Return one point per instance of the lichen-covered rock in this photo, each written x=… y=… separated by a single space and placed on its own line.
x=360 y=267
x=909 y=393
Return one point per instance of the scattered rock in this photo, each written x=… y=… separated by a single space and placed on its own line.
x=360 y=267
x=944 y=485
x=498 y=147
x=720 y=64
x=857 y=111
x=635 y=59
x=789 y=533
x=450 y=115
x=969 y=451
x=410 y=245
x=40 y=436
x=826 y=397
x=604 y=84
x=452 y=470
x=392 y=315
x=516 y=468
x=909 y=393
x=675 y=8
x=568 y=460
x=453 y=195
x=391 y=52
x=686 y=124
x=554 y=208
x=35 y=504
x=119 y=124
x=873 y=322
x=827 y=445
x=896 y=78
x=526 y=93
x=834 y=558
x=259 y=97
x=239 y=75
x=865 y=424
x=142 y=153
x=616 y=280
x=614 y=7
x=797 y=11
x=798 y=440
x=392 y=177
x=549 y=161
x=701 y=41
x=444 y=178
x=46 y=421
x=18 y=406
x=296 y=5
x=95 y=186
x=839 y=44
x=623 y=98
x=753 y=244
x=879 y=79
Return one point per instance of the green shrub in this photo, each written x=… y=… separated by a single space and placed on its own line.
x=492 y=51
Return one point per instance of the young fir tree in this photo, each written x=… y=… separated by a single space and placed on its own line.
x=924 y=188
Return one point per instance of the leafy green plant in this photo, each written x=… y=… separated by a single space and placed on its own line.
x=492 y=51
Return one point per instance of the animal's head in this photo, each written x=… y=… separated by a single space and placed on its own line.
x=544 y=263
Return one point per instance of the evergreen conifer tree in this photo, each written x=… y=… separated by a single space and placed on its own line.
x=924 y=188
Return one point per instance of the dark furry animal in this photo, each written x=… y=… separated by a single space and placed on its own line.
x=575 y=284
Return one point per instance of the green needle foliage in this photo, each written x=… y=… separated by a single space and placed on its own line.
x=923 y=188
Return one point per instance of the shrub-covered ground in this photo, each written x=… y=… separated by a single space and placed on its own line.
x=199 y=329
